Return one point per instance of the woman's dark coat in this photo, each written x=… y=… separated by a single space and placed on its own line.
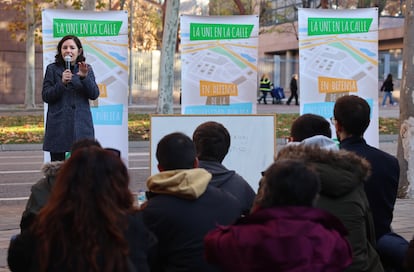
x=69 y=117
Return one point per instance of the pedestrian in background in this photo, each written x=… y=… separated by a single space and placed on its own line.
x=68 y=85
x=265 y=87
x=387 y=88
x=293 y=90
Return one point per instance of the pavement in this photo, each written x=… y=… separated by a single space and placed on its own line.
x=403 y=222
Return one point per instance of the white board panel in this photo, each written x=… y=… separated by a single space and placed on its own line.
x=253 y=140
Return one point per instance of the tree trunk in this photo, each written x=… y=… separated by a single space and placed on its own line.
x=405 y=152
x=239 y=4
x=89 y=4
x=169 y=37
x=29 y=99
x=131 y=58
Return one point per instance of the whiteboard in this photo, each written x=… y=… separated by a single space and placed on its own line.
x=253 y=140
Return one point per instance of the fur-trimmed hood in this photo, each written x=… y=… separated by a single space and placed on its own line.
x=51 y=168
x=340 y=171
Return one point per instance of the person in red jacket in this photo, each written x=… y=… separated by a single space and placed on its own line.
x=284 y=232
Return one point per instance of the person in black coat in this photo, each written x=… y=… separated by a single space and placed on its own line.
x=212 y=141
x=387 y=87
x=409 y=257
x=89 y=223
x=293 y=90
x=182 y=207
x=67 y=91
x=351 y=119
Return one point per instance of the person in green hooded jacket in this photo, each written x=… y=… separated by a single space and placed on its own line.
x=342 y=174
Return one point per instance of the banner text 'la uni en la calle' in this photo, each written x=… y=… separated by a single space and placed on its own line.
x=333 y=26
x=200 y=31
x=85 y=28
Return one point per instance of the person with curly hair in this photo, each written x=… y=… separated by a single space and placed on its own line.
x=89 y=223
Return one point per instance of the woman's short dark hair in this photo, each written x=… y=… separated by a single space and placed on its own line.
x=289 y=183
x=176 y=151
x=353 y=114
x=309 y=125
x=212 y=141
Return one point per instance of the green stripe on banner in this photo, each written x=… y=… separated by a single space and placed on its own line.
x=329 y=26
x=85 y=28
x=200 y=32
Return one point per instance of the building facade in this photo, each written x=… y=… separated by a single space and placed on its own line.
x=278 y=50
x=278 y=40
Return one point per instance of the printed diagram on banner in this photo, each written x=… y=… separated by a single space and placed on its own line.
x=219 y=64
x=338 y=55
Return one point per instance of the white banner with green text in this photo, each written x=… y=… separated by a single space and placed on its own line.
x=104 y=36
x=338 y=52
x=219 y=64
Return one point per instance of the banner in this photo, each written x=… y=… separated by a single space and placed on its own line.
x=219 y=64
x=104 y=36
x=338 y=52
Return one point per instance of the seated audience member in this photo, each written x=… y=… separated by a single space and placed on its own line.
x=284 y=232
x=409 y=257
x=89 y=222
x=352 y=118
x=182 y=207
x=342 y=174
x=40 y=191
x=212 y=142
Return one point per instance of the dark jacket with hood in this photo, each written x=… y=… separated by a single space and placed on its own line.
x=231 y=182
x=40 y=192
x=181 y=209
x=342 y=193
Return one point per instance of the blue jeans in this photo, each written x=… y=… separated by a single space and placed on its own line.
x=384 y=100
x=392 y=248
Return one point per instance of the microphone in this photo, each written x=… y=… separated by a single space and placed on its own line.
x=67 y=61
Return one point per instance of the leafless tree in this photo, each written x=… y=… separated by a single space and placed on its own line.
x=169 y=38
x=405 y=152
